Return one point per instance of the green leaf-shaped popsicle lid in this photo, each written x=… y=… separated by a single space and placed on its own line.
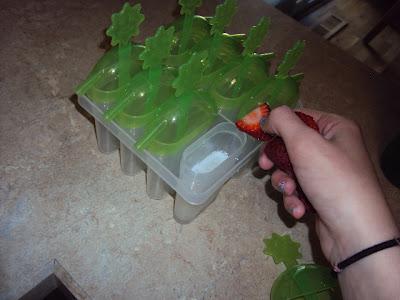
x=282 y=249
x=304 y=281
x=157 y=48
x=291 y=58
x=125 y=24
x=190 y=74
x=256 y=36
x=188 y=6
x=223 y=16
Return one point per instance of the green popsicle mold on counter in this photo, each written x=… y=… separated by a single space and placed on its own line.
x=185 y=85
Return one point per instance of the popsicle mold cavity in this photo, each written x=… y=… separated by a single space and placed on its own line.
x=205 y=161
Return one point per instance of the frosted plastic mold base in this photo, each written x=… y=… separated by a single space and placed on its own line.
x=106 y=142
x=196 y=173
x=130 y=163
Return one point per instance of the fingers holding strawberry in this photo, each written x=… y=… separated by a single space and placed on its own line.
x=275 y=152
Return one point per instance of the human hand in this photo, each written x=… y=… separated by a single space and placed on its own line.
x=335 y=172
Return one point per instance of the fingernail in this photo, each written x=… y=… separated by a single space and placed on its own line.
x=263 y=121
x=293 y=210
x=281 y=186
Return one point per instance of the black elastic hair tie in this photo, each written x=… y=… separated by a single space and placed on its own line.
x=371 y=250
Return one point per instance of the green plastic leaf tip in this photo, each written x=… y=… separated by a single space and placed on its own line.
x=157 y=48
x=256 y=36
x=188 y=6
x=190 y=74
x=223 y=16
x=125 y=24
x=282 y=249
x=291 y=58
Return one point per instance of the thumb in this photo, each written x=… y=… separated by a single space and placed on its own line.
x=284 y=122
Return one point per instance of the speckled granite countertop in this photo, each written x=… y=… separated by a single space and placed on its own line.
x=61 y=199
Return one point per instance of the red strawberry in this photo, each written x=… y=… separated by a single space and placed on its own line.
x=308 y=120
x=251 y=122
x=275 y=148
x=277 y=153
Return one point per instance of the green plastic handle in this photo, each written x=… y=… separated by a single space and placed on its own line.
x=223 y=16
x=282 y=249
x=291 y=58
x=252 y=42
x=190 y=74
x=124 y=63
x=256 y=36
x=187 y=29
x=158 y=48
x=184 y=103
x=154 y=82
x=188 y=8
x=212 y=53
x=244 y=66
x=125 y=24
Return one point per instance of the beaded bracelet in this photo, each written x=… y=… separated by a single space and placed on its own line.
x=371 y=250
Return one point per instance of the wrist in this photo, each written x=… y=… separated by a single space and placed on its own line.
x=364 y=221
x=362 y=236
x=373 y=277
x=339 y=267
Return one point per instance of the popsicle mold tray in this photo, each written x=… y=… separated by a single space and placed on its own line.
x=170 y=105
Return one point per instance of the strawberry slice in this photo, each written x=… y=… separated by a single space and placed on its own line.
x=250 y=123
x=308 y=120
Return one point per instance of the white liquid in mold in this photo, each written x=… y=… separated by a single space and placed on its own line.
x=209 y=163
